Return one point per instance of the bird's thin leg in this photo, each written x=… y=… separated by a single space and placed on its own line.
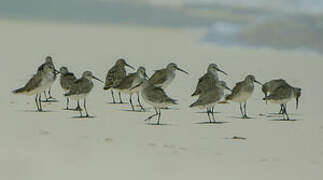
x=241 y=110
x=208 y=114
x=142 y=108
x=67 y=102
x=39 y=100
x=50 y=94
x=212 y=111
x=120 y=99
x=112 y=94
x=87 y=114
x=245 y=110
x=285 y=111
x=80 y=109
x=281 y=109
x=152 y=115
x=130 y=100
x=159 y=114
x=36 y=100
x=46 y=99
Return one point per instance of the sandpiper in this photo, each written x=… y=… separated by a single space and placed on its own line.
x=209 y=98
x=163 y=77
x=81 y=88
x=38 y=83
x=131 y=80
x=282 y=95
x=242 y=91
x=49 y=61
x=208 y=80
x=270 y=87
x=66 y=80
x=115 y=75
x=156 y=97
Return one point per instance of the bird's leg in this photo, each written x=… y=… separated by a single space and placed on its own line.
x=78 y=107
x=142 y=108
x=285 y=111
x=159 y=114
x=50 y=94
x=120 y=99
x=112 y=94
x=241 y=110
x=152 y=115
x=87 y=114
x=212 y=111
x=39 y=100
x=281 y=109
x=67 y=102
x=208 y=114
x=36 y=100
x=245 y=110
x=130 y=100
x=46 y=99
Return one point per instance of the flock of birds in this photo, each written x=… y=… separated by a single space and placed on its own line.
x=209 y=89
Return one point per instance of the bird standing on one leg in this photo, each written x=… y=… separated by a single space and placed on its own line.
x=115 y=75
x=48 y=61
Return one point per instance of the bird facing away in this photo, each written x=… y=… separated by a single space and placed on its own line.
x=209 y=98
x=156 y=97
x=66 y=80
x=115 y=75
x=208 y=80
x=37 y=84
x=49 y=61
x=270 y=87
x=242 y=91
x=163 y=77
x=282 y=95
x=130 y=81
x=81 y=88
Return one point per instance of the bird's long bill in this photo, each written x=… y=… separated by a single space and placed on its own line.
x=130 y=66
x=182 y=70
x=226 y=87
x=97 y=79
x=258 y=82
x=56 y=71
x=146 y=76
x=136 y=86
x=221 y=71
x=296 y=103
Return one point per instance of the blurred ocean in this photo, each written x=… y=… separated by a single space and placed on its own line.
x=279 y=24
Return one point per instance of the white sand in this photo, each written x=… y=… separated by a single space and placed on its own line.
x=118 y=145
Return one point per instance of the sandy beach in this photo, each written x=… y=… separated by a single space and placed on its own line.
x=117 y=144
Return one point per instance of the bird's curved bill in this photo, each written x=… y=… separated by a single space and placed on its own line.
x=146 y=76
x=296 y=103
x=136 y=86
x=97 y=79
x=226 y=87
x=182 y=70
x=130 y=66
x=221 y=71
x=258 y=82
x=56 y=71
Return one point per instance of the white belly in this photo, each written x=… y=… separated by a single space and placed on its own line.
x=280 y=101
x=242 y=97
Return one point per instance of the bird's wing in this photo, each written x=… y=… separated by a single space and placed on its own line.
x=127 y=82
x=159 y=95
x=280 y=93
x=33 y=82
x=158 y=77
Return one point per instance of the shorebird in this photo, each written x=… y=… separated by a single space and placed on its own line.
x=131 y=80
x=270 y=87
x=156 y=97
x=163 y=77
x=211 y=97
x=282 y=95
x=38 y=83
x=115 y=75
x=49 y=61
x=208 y=80
x=66 y=80
x=241 y=93
x=81 y=88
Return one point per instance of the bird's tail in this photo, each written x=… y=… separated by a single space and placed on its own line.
x=196 y=103
x=196 y=92
x=18 y=91
x=228 y=97
x=106 y=87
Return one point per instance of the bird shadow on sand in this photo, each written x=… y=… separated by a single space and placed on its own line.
x=43 y=111
x=285 y=120
x=83 y=117
x=209 y=123
x=49 y=101
x=239 y=117
x=117 y=103
x=160 y=124
x=135 y=111
x=202 y=112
